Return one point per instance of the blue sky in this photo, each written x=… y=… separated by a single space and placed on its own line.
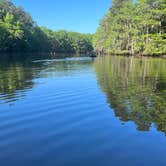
x=75 y=15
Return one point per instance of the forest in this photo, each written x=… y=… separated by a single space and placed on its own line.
x=128 y=28
x=19 y=33
x=133 y=27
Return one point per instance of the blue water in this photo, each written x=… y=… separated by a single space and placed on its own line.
x=62 y=112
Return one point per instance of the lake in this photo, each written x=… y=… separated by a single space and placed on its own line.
x=82 y=111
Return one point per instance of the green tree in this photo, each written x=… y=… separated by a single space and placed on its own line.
x=133 y=28
x=19 y=33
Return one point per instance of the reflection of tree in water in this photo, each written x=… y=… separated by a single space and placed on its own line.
x=18 y=72
x=135 y=89
x=14 y=76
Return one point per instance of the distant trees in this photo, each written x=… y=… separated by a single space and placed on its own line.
x=127 y=28
x=64 y=41
x=133 y=28
x=18 y=33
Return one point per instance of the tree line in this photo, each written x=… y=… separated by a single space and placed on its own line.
x=19 y=33
x=133 y=28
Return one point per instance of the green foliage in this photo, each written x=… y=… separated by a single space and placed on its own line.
x=72 y=42
x=18 y=33
x=136 y=28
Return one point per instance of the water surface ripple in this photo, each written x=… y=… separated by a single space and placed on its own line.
x=83 y=111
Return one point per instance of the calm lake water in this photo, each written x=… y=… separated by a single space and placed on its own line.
x=79 y=111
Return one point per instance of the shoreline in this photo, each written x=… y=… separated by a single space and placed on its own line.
x=90 y=54
x=98 y=54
